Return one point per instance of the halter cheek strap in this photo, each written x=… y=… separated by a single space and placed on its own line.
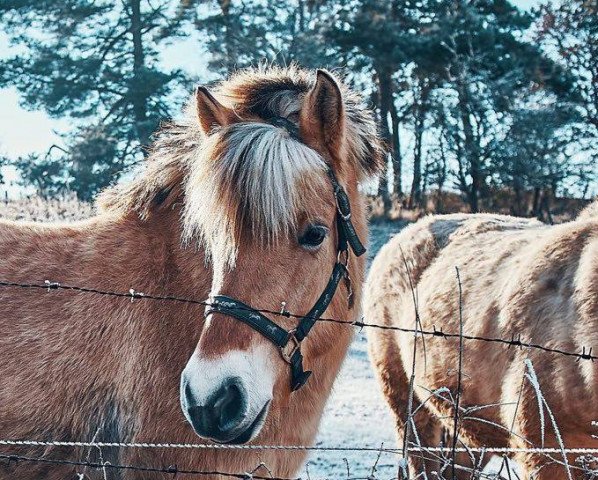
x=346 y=230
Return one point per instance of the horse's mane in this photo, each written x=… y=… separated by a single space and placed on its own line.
x=244 y=173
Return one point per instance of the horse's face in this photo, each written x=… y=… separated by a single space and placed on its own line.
x=270 y=229
x=235 y=373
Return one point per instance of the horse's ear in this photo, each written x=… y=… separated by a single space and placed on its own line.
x=323 y=114
x=212 y=114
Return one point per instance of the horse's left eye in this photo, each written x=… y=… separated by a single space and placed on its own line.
x=313 y=237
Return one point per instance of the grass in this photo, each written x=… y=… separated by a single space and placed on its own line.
x=39 y=209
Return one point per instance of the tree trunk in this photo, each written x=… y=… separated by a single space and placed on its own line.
x=517 y=210
x=536 y=202
x=384 y=101
x=415 y=197
x=139 y=99
x=301 y=10
x=471 y=150
x=441 y=176
x=545 y=207
x=397 y=160
x=228 y=36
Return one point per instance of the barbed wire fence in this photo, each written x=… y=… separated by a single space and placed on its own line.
x=443 y=456
x=133 y=294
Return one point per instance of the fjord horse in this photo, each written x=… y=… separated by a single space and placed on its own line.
x=235 y=199
x=520 y=279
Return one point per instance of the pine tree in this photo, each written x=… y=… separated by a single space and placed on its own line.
x=375 y=38
x=95 y=62
x=477 y=51
x=533 y=156
x=570 y=29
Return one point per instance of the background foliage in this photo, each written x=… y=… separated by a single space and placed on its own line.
x=475 y=96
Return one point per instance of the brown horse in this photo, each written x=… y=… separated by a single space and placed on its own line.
x=520 y=279
x=235 y=199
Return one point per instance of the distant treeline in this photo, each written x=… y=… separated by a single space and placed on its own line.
x=476 y=97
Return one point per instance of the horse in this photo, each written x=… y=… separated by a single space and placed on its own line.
x=521 y=281
x=240 y=198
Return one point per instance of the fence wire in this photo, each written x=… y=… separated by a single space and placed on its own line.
x=171 y=469
x=132 y=295
x=218 y=446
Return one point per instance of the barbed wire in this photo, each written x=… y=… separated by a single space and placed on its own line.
x=175 y=471
x=132 y=294
x=316 y=448
x=208 y=446
x=437 y=452
x=172 y=469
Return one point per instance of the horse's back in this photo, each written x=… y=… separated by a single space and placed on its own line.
x=401 y=263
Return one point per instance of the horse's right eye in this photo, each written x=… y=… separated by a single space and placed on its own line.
x=313 y=237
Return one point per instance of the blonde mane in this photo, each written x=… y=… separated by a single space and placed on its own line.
x=249 y=174
x=254 y=176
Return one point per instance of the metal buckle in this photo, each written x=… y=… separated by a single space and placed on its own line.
x=342 y=257
x=286 y=352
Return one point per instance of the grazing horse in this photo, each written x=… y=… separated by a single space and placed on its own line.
x=239 y=200
x=520 y=279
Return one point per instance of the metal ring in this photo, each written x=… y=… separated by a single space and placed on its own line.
x=295 y=345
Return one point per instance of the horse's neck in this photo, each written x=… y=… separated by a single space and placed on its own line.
x=128 y=349
x=124 y=253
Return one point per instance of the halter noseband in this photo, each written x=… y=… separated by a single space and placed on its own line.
x=289 y=341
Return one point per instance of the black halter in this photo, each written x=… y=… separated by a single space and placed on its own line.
x=289 y=341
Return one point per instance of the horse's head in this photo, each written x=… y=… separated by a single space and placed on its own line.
x=261 y=199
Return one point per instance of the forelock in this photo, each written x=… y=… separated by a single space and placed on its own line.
x=250 y=180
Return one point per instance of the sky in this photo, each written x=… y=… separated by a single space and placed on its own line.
x=23 y=131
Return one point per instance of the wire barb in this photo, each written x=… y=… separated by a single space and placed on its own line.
x=133 y=294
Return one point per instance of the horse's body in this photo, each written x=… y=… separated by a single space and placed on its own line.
x=82 y=367
x=520 y=279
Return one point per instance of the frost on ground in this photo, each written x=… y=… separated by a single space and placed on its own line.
x=357 y=414
x=37 y=209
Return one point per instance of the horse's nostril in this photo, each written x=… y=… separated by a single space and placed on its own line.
x=222 y=413
x=230 y=407
x=201 y=420
x=188 y=394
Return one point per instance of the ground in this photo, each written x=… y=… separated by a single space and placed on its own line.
x=356 y=414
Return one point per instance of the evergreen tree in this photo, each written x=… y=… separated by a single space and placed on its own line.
x=461 y=78
x=533 y=155
x=374 y=37
x=477 y=51
x=95 y=62
x=240 y=34
x=569 y=29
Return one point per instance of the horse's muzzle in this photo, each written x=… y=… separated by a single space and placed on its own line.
x=224 y=416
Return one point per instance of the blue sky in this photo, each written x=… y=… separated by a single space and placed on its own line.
x=23 y=131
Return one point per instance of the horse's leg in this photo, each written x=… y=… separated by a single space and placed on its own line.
x=532 y=424
x=556 y=466
x=424 y=429
x=553 y=467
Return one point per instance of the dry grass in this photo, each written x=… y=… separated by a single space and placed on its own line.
x=39 y=209
x=502 y=201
